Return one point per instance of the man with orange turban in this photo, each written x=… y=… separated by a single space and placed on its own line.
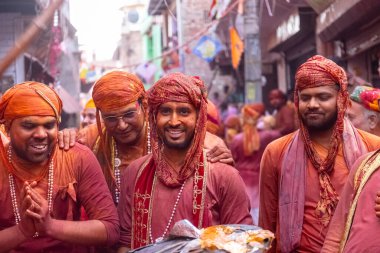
x=303 y=173
x=177 y=172
x=123 y=136
x=42 y=187
x=247 y=149
x=88 y=114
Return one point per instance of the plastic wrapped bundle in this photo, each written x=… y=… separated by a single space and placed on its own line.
x=185 y=238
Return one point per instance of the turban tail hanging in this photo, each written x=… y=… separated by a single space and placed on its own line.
x=319 y=71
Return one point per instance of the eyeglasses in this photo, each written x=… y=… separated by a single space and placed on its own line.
x=128 y=117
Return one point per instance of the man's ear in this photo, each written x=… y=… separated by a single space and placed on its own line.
x=373 y=121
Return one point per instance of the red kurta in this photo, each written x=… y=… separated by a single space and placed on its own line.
x=226 y=200
x=78 y=181
x=313 y=232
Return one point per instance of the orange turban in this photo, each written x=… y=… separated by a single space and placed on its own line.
x=319 y=71
x=116 y=89
x=90 y=104
x=213 y=118
x=30 y=99
x=251 y=140
x=178 y=87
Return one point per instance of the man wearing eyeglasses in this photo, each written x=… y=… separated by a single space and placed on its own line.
x=123 y=137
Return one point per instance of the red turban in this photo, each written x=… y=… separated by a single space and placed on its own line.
x=213 y=118
x=30 y=99
x=116 y=89
x=178 y=87
x=251 y=140
x=319 y=71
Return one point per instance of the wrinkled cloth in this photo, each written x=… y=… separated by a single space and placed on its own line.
x=29 y=99
x=226 y=201
x=78 y=181
x=178 y=87
x=213 y=118
x=319 y=71
x=250 y=114
x=363 y=226
x=272 y=180
x=370 y=99
x=112 y=92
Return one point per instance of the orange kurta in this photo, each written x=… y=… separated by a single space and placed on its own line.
x=226 y=200
x=313 y=232
x=78 y=181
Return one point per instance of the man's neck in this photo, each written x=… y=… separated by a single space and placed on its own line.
x=322 y=137
x=175 y=157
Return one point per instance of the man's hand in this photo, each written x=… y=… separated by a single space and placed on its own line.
x=26 y=225
x=377 y=204
x=67 y=138
x=220 y=154
x=39 y=212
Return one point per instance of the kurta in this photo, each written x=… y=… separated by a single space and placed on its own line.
x=313 y=232
x=286 y=119
x=249 y=166
x=363 y=236
x=226 y=200
x=78 y=181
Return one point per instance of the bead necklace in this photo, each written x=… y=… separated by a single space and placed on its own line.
x=116 y=170
x=12 y=189
x=170 y=219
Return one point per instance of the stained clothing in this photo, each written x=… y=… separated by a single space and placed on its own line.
x=313 y=232
x=78 y=181
x=226 y=200
x=364 y=226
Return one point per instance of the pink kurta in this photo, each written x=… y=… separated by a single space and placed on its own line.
x=363 y=236
x=249 y=166
x=226 y=199
x=78 y=181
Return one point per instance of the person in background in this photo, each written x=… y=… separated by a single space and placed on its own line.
x=285 y=113
x=177 y=173
x=88 y=114
x=214 y=122
x=364 y=111
x=42 y=187
x=232 y=126
x=302 y=174
x=247 y=149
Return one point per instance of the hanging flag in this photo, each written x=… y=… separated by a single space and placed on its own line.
x=237 y=47
x=207 y=48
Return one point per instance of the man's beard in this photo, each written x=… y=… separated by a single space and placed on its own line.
x=328 y=124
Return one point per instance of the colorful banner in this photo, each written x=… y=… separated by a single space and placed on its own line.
x=207 y=48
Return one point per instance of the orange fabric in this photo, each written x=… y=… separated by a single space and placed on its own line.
x=237 y=47
x=90 y=104
x=213 y=118
x=251 y=113
x=112 y=92
x=313 y=232
x=29 y=99
x=117 y=89
x=319 y=71
x=178 y=87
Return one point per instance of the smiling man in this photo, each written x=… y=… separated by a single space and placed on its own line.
x=42 y=187
x=176 y=182
x=303 y=173
x=123 y=136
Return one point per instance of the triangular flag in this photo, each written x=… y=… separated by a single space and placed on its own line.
x=237 y=47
